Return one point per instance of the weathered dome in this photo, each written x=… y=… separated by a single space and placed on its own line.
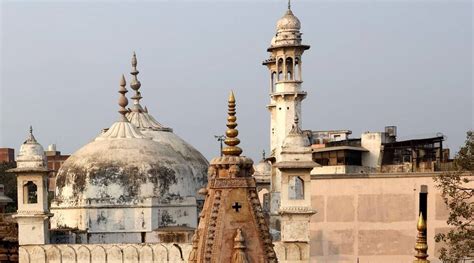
x=129 y=170
x=134 y=160
x=263 y=168
x=31 y=153
x=288 y=22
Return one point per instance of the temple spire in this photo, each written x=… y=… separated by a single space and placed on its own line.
x=123 y=102
x=135 y=83
x=231 y=139
x=421 y=246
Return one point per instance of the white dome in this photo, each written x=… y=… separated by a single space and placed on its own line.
x=128 y=170
x=31 y=154
x=288 y=22
x=263 y=168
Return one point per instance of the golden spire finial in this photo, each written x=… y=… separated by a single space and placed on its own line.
x=231 y=139
x=123 y=102
x=421 y=244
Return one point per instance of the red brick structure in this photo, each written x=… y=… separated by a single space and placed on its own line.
x=55 y=160
x=7 y=155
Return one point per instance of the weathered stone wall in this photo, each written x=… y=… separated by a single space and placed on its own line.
x=130 y=253
x=134 y=253
x=372 y=218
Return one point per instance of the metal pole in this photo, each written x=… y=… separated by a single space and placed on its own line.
x=220 y=139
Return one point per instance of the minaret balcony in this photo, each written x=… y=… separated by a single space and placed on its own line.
x=300 y=94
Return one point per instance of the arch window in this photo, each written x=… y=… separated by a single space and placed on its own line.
x=280 y=69
x=296 y=188
x=289 y=68
x=274 y=75
x=297 y=69
x=30 y=193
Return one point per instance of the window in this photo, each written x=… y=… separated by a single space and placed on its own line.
x=296 y=188
x=30 y=195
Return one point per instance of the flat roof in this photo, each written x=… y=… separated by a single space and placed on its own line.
x=337 y=148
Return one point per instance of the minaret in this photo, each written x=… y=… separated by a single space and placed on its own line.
x=232 y=226
x=285 y=64
x=32 y=176
x=421 y=246
x=286 y=51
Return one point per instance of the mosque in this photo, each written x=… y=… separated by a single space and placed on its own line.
x=139 y=193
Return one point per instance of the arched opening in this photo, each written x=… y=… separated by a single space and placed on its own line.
x=297 y=69
x=280 y=69
x=30 y=193
x=296 y=188
x=289 y=68
x=273 y=81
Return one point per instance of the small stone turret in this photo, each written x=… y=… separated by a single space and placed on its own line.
x=32 y=183
x=295 y=208
x=232 y=226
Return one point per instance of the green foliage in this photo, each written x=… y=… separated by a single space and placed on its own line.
x=9 y=182
x=458 y=194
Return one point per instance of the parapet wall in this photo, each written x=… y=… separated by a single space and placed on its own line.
x=87 y=253
x=133 y=253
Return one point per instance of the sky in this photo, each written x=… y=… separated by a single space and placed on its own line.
x=371 y=64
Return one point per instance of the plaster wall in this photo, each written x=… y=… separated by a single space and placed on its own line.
x=145 y=217
x=340 y=169
x=372 y=141
x=372 y=218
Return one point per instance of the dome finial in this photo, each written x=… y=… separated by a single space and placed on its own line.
x=31 y=138
x=135 y=83
x=263 y=155
x=289 y=4
x=123 y=102
x=231 y=139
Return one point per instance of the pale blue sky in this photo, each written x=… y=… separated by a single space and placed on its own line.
x=371 y=64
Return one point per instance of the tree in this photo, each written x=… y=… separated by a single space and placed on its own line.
x=9 y=182
x=457 y=191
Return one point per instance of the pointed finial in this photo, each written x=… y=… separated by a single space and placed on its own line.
x=135 y=83
x=231 y=139
x=239 y=255
x=421 y=246
x=295 y=129
x=263 y=155
x=123 y=102
x=31 y=138
x=289 y=4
